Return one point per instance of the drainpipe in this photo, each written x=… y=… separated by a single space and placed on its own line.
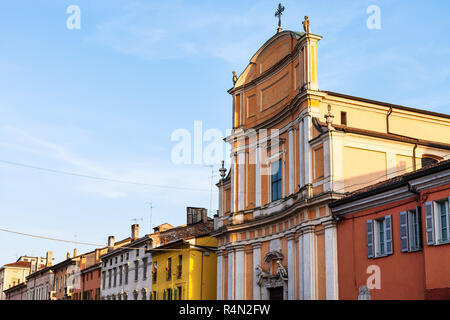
x=387 y=119
x=412 y=189
x=414 y=158
x=415 y=145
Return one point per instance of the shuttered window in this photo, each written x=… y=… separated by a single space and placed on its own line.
x=410 y=230
x=379 y=237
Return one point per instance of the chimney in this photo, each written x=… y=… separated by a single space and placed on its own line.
x=134 y=232
x=111 y=241
x=97 y=255
x=68 y=256
x=74 y=253
x=49 y=259
x=195 y=215
x=189 y=216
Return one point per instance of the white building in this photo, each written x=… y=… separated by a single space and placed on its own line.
x=126 y=271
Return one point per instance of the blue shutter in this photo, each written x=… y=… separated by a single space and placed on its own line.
x=429 y=218
x=388 y=234
x=369 y=232
x=174 y=294
x=404 y=237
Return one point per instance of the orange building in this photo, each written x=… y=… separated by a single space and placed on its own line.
x=294 y=149
x=394 y=238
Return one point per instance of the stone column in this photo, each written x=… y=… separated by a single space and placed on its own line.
x=306 y=149
x=308 y=263
x=239 y=273
x=231 y=274
x=233 y=186
x=219 y=275
x=258 y=176
x=291 y=161
x=301 y=148
x=241 y=180
x=291 y=265
x=256 y=262
x=300 y=266
x=331 y=260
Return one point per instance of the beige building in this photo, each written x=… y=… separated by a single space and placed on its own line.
x=294 y=149
x=14 y=273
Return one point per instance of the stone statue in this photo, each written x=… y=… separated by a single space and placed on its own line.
x=235 y=77
x=282 y=272
x=329 y=118
x=306 y=25
x=261 y=274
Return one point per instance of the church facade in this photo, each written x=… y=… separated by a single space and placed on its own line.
x=295 y=149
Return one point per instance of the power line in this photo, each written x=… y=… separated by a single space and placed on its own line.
x=17 y=164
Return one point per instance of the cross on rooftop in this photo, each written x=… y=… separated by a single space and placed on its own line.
x=278 y=14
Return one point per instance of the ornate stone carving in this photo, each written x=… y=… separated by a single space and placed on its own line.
x=268 y=280
x=364 y=293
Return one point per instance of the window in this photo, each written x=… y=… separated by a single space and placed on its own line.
x=115 y=260
x=437 y=221
x=137 y=252
x=180 y=293
x=410 y=230
x=379 y=237
x=155 y=271
x=154 y=295
x=180 y=265
x=120 y=275
x=126 y=274
x=276 y=177
x=428 y=161
x=136 y=270
x=443 y=220
x=110 y=262
x=128 y=256
x=135 y=294
x=121 y=258
x=169 y=294
x=144 y=295
x=110 y=278
x=115 y=277
x=144 y=261
x=343 y=118
x=169 y=269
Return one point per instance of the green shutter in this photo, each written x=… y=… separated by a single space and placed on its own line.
x=369 y=233
x=404 y=231
x=429 y=218
x=388 y=234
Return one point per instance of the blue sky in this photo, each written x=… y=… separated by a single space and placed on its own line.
x=104 y=100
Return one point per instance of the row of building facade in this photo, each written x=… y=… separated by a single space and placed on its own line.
x=173 y=263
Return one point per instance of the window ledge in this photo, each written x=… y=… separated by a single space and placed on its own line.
x=441 y=243
x=381 y=256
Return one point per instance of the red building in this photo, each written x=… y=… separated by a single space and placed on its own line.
x=394 y=238
x=89 y=277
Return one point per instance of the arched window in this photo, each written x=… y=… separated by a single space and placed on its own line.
x=428 y=160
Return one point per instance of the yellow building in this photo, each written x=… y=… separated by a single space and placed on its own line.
x=185 y=269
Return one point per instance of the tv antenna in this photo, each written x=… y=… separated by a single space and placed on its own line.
x=151 y=214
